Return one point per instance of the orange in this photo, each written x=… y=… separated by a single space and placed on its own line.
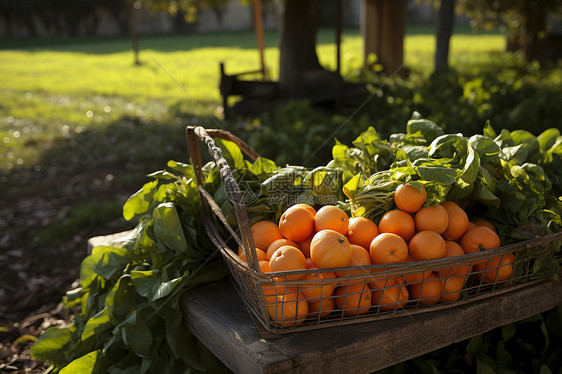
x=330 y=217
x=388 y=248
x=397 y=222
x=264 y=233
x=497 y=269
x=427 y=292
x=304 y=245
x=471 y=225
x=454 y=249
x=288 y=308
x=310 y=264
x=408 y=198
x=278 y=244
x=288 y=258
x=488 y=224
x=322 y=308
x=361 y=231
x=359 y=257
x=478 y=239
x=432 y=218
x=427 y=245
x=297 y=223
x=458 y=221
x=330 y=249
x=318 y=287
x=264 y=266
x=390 y=298
x=353 y=299
x=451 y=289
x=377 y=281
x=261 y=255
x=416 y=277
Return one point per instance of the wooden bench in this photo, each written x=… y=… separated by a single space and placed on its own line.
x=217 y=317
x=233 y=85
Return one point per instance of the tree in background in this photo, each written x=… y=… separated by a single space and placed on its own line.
x=526 y=22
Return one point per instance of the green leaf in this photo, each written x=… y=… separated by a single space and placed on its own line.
x=148 y=284
x=121 y=299
x=509 y=331
x=97 y=325
x=438 y=174
x=168 y=227
x=139 y=202
x=182 y=168
x=474 y=344
x=136 y=332
x=482 y=368
x=351 y=188
x=231 y=153
x=82 y=365
x=112 y=261
x=546 y=267
x=545 y=370
x=52 y=344
x=428 y=129
x=90 y=263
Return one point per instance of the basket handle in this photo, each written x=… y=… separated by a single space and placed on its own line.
x=193 y=134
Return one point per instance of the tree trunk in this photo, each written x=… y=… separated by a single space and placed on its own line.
x=298 y=28
x=445 y=22
x=133 y=31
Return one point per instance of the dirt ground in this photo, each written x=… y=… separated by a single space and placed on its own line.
x=34 y=275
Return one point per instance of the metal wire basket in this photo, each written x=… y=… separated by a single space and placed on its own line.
x=358 y=293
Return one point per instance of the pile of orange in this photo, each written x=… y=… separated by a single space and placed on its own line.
x=326 y=239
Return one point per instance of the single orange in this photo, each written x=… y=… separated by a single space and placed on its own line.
x=297 y=223
x=353 y=299
x=359 y=257
x=409 y=198
x=381 y=281
x=397 y=222
x=330 y=249
x=264 y=233
x=458 y=221
x=391 y=298
x=322 y=308
x=330 y=217
x=316 y=286
x=388 y=248
x=304 y=245
x=288 y=258
x=361 y=231
x=432 y=218
x=278 y=244
x=478 y=239
x=497 y=269
x=261 y=255
x=427 y=245
x=471 y=225
x=453 y=249
x=416 y=277
x=288 y=308
x=264 y=266
x=451 y=289
x=488 y=224
x=427 y=292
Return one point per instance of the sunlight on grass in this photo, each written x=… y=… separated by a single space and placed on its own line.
x=54 y=90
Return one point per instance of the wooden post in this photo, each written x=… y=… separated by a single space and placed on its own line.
x=383 y=26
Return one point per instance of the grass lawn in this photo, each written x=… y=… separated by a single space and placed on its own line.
x=54 y=89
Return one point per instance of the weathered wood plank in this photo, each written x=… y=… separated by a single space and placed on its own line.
x=217 y=317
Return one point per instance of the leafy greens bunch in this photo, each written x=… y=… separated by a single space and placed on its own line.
x=510 y=178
